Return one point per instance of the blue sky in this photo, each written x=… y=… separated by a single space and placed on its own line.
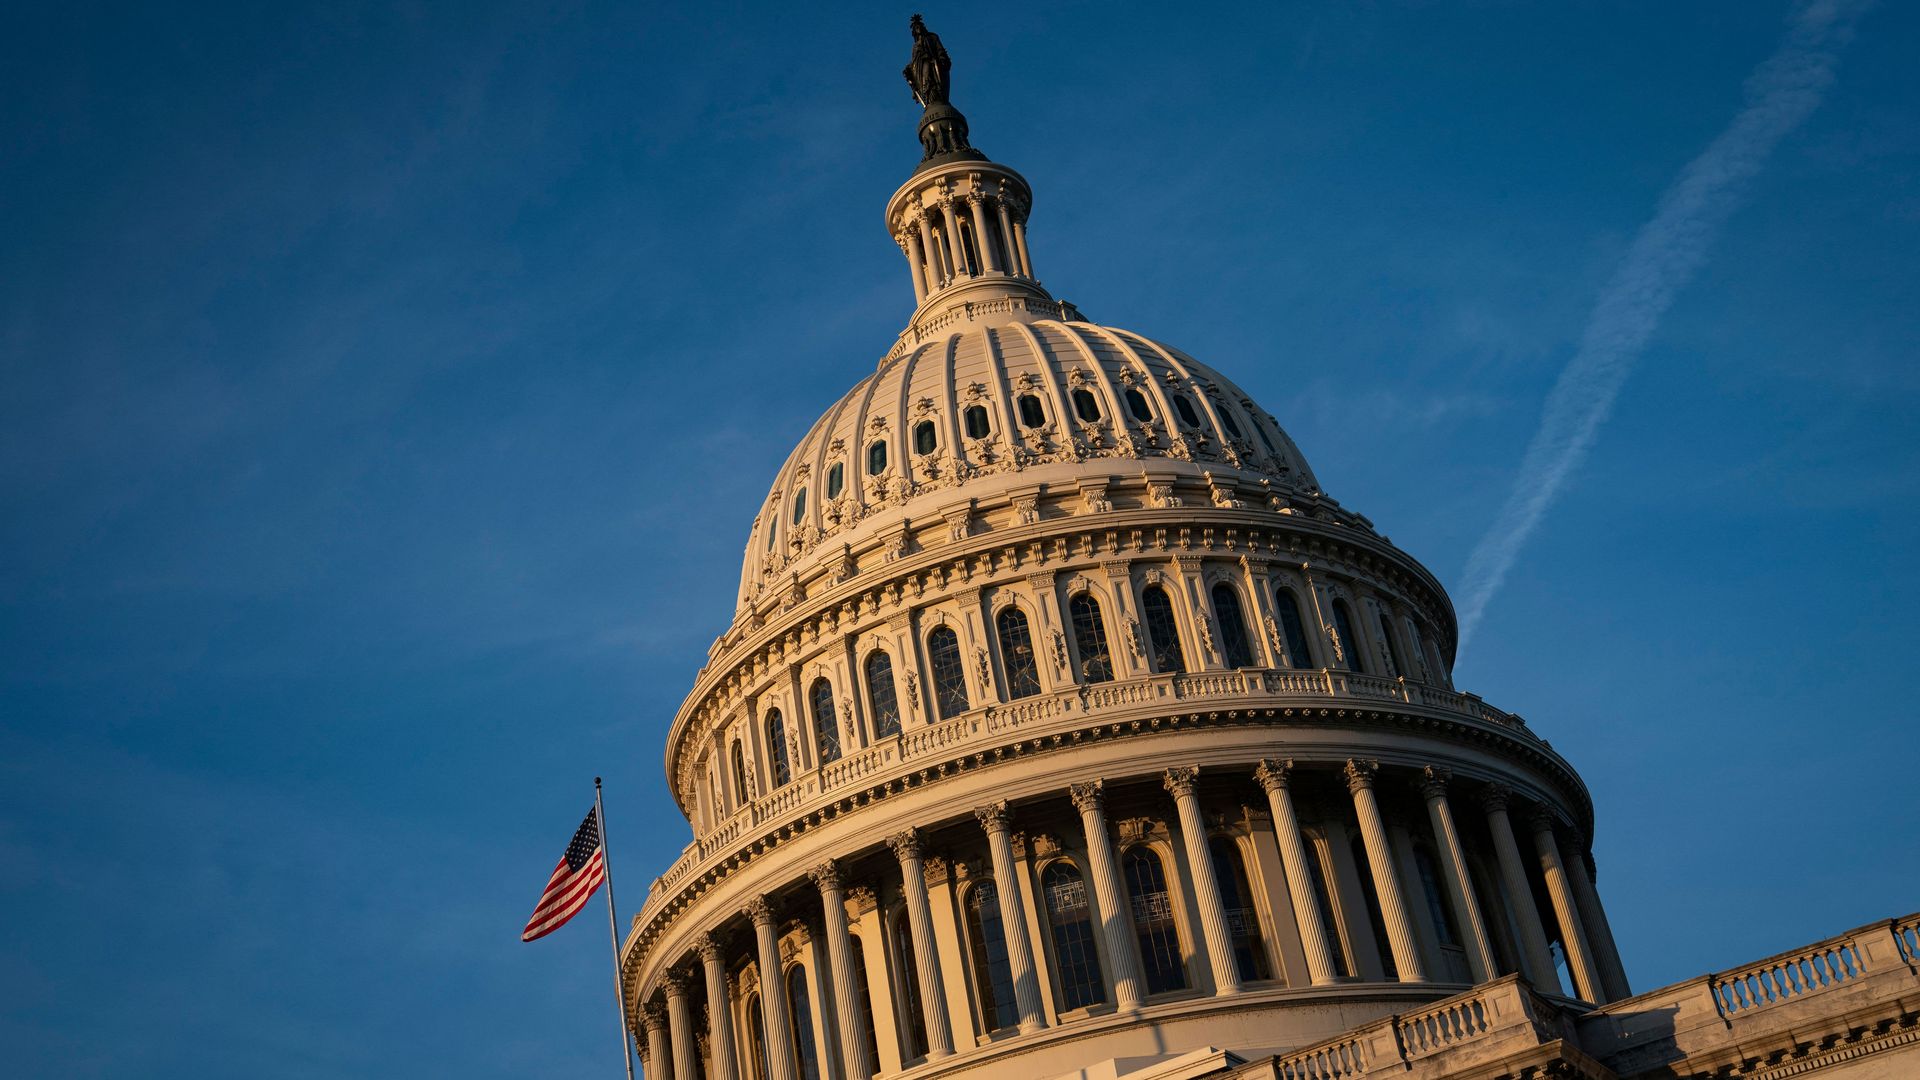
x=387 y=393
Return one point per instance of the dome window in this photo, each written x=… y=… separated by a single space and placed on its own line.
x=1137 y=405
x=924 y=439
x=1226 y=421
x=836 y=478
x=1031 y=412
x=1260 y=430
x=977 y=426
x=1185 y=408
x=877 y=458
x=1086 y=406
x=799 y=506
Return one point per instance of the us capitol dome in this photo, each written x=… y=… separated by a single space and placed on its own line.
x=1065 y=727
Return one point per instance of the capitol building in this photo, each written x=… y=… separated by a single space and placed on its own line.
x=1066 y=728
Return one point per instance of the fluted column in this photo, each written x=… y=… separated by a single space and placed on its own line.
x=1116 y=921
x=1586 y=977
x=1433 y=785
x=1272 y=776
x=719 y=1017
x=1020 y=245
x=1013 y=916
x=917 y=259
x=1386 y=880
x=938 y=272
x=846 y=990
x=777 y=1031
x=1535 y=961
x=956 y=249
x=981 y=238
x=1183 y=783
x=1006 y=235
x=926 y=956
x=686 y=1051
x=659 y=1045
x=1613 y=974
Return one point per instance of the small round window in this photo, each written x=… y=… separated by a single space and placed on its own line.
x=1086 y=406
x=799 y=506
x=877 y=459
x=977 y=426
x=1226 y=421
x=1031 y=414
x=1137 y=405
x=924 y=439
x=836 y=476
x=1185 y=408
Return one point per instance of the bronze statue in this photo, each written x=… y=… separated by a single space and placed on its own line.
x=929 y=72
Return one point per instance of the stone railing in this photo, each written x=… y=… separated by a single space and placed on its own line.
x=1450 y=1022
x=1068 y=706
x=1328 y=1061
x=1397 y=1044
x=968 y=310
x=1789 y=975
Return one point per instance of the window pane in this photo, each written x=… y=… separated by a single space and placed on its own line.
x=836 y=476
x=858 y=953
x=1236 y=896
x=826 y=726
x=1153 y=922
x=1086 y=406
x=1137 y=405
x=924 y=438
x=880 y=696
x=1298 y=655
x=1226 y=421
x=1078 y=965
x=1016 y=652
x=1185 y=408
x=1090 y=639
x=1163 y=634
x=992 y=974
x=1349 y=641
x=801 y=1007
x=777 y=749
x=949 y=675
x=739 y=775
x=907 y=988
x=1386 y=638
x=977 y=427
x=799 y=506
x=1031 y=414
x=876 y=459
x=1233 y=629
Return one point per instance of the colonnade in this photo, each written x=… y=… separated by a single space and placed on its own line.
x=1337 y=937
x=963 y=236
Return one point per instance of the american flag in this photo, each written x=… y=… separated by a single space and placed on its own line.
x=580 y=872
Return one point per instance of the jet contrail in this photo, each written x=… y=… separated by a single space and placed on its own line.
x=1780 y=94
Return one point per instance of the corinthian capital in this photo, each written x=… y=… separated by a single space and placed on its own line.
x=826 y=876
x=1273 y=773
x=994 y=817
x=1182 y=781
x=760 y=911
x=905 y=845
x=1433 y=781
x=1361 y=773
x=1088 y=796
x=1495 y=797
x=708 y=949
x=1543 y=819
x=652 y=1016
x=674 y=983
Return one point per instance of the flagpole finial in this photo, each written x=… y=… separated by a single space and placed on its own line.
x=596 y=781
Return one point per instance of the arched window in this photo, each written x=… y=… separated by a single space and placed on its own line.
x=877 y=458
x=1185 y=408
x=1370 y=896
x=978 y=427
x=992 y=974
x=880 y=696
x=1226 y=421
x=1260 y=429
x=1349 y=641
x=773 y=532
x=1452 y=955
x=949 y=672
x=799 y=506
x=1233 y=628
x=1086 y=406
x=1076 y=964
x=756 y=1040
x=1031 y=412
x=1421 y=655
x=1236 y=895
x=924 y=437
x=1090 y=639
x=906 y=989
x=1016 y=653
x=1323 y=899
x=1163 y=634
x=836 y=479
x=858 y=954
x=800 y=1008
x=1137 y=405
x=739 y=759
x=1153 y=921
x=1395 y=667
x=777 y=749
x=826 y=726
x=1295 y=631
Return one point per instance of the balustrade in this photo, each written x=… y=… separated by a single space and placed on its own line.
x=1329 y=1061
x=1771 y=981
x=1442 y=1026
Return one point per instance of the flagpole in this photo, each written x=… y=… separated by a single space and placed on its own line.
x=613 y=928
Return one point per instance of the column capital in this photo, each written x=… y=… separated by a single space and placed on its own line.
x=674 y=983
x=826 y=876
x=1433 y=781
x=1577 y=838
x=652 y=1016
x=1361 y=773
x=1496 y=796
x=760 y=911
x=1273 y=773
x=1182 y=780
x=709 y=949
x=994 y=817
x=1542 y=818
x=905 y=844
x=1088 y=796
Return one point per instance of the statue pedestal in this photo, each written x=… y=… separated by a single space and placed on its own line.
x=943 y=136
